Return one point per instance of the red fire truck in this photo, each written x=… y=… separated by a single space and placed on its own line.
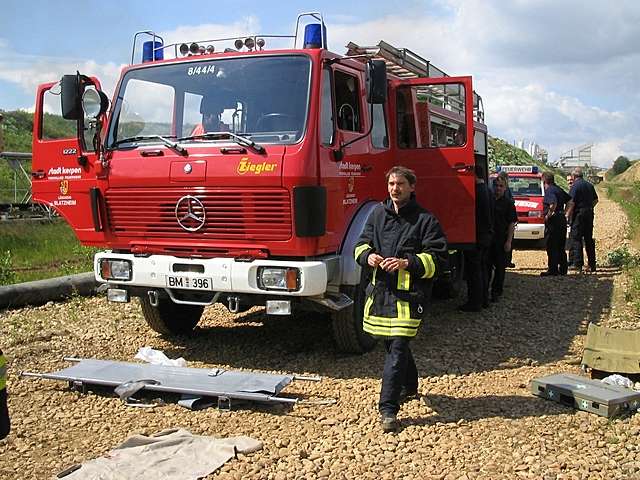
x=244 y=175
x=527 y=188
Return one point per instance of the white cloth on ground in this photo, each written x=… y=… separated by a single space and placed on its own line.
x=157 y=357
x=168 y=455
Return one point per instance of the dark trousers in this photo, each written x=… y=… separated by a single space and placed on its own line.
x=4 y=414
x=476 y=265
x=582 y=230
x=555 y=235
x=498 y=260
x=399 y=371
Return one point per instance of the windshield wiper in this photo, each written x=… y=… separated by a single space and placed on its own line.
x=239 y=139
x=172 y=145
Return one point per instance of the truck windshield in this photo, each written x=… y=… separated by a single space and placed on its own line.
x=525 y=186
x=265 y=98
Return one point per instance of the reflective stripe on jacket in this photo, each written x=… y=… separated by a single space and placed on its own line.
x=395 y=301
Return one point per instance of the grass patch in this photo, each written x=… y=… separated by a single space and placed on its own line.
x=37 y=250
x=628 y=196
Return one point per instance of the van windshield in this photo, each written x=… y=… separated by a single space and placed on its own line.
x=525 y=186
x=265 y=98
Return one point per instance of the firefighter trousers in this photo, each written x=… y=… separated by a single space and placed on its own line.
x=582 y=229
x=555 y=235
x=498 y=260
x=399 y=371
x=476 y=266
x=4 y=414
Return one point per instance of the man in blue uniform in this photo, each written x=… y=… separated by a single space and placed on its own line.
x=555 y=226
x=476 y=260
x=404 y=247
x=504 y=224
x=580 y=213
x=509 y=196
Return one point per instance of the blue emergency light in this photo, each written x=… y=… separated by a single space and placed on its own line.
x=313 y=36
x=149 y=49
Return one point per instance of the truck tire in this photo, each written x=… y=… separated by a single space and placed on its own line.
x=170 y=318
x=347 y=324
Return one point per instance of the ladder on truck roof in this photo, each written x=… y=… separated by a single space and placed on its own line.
x=405 y=64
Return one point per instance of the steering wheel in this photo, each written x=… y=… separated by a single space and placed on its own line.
x=275 y=117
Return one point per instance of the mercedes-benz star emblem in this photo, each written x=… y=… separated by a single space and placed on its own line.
x=190 y=213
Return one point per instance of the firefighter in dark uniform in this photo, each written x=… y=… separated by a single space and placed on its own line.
x=555 y=226
x=476 y=260
x=4 y=410
x=580 y=213
x=404 y=247
x=504 y=224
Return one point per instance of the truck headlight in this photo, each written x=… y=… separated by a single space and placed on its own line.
x=279 y=278
x=115 y=269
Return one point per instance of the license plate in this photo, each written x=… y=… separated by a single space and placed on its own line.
x=189 y=283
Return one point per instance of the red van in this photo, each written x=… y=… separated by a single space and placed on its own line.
x=525 y=183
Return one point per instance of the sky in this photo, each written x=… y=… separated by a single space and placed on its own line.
x=560 y=73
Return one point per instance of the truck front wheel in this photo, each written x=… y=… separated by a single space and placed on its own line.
x=170 y=318
x=347 y=324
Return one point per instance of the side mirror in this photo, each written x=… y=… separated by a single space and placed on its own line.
x=376 y=82
x=70 y=97
x=94 y=102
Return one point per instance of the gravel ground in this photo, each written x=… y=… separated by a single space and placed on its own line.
x=477 y=419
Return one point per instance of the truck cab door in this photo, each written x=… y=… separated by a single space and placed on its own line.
x=434 y=135
x=64 y=165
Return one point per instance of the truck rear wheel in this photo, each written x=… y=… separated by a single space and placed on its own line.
x=347 y=325
x=170 y=318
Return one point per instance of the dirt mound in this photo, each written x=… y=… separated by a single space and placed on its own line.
x=630 y=175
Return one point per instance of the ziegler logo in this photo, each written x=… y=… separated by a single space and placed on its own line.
x=69 y=151
x=245 y=166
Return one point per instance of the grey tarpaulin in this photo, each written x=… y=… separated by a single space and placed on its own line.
x=168 y=455
x=260 y=387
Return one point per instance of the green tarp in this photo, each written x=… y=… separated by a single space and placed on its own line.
x=612 y=350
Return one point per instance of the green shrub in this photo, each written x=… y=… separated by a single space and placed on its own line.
x=622 y=257
x=621 y=164
x=7 y=274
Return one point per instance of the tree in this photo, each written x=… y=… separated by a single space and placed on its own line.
x=621 y=164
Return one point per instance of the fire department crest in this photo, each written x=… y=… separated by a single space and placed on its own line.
x=350 y=184
x=64 y=187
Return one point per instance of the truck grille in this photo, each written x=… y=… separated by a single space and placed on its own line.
x=258 y=214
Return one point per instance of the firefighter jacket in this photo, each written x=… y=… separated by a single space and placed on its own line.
x=395 y=301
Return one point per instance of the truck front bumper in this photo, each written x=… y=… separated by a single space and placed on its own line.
x=213 y=274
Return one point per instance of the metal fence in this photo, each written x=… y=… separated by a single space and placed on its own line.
x=15 y=188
